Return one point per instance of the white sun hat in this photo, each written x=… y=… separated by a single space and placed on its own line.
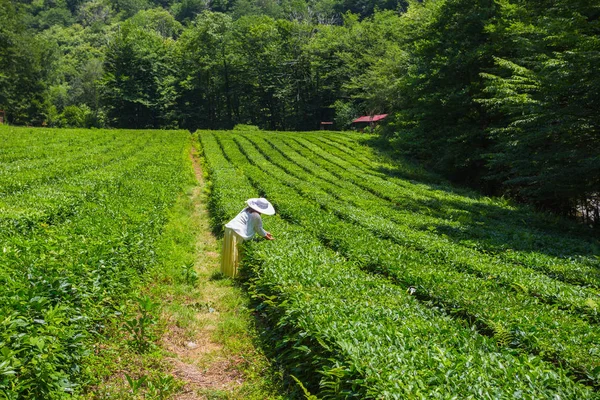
x=261 y=205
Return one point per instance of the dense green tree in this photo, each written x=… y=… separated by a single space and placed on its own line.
x=546 y=94
x=366 y=8
x=73 y=5
x=276 y=81
x=333 y=59
x=185 y=11
x=158 y=20
x=206 y=70
x=356 y=65
x=252 y=70
x=138 y=83
x=271 y=8
x=128 y=8
x=94 y=12
x=22 y=70
x=437 y=117
x=52 y=17
x=75 y=74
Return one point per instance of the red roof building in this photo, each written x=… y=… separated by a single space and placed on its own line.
x=370 y=118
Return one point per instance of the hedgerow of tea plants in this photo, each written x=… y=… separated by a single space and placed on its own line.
x=345 y=332
x=509 y=317
x=80 y=212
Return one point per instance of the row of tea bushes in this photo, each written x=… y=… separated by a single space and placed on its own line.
x=76 y=239
x=511 y=234
x=514 y=318
x=374 y=214
x=349 y=334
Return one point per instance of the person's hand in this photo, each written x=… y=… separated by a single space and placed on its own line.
x=269 y=236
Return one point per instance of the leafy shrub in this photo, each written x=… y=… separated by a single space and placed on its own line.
x=81 y=211
x=341 y=328
x=244 y=127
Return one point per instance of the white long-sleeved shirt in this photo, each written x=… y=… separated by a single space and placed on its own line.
x=246 y=224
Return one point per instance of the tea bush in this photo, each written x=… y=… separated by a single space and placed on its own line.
x=365 y=300
x=80 y=212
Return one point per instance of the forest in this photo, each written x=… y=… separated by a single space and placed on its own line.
x=502 y=95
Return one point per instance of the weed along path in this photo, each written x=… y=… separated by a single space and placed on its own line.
x=209 y=336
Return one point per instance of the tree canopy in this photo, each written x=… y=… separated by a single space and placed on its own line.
x=499 y=94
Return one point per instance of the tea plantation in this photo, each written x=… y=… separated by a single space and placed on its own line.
x=384 y=283
x=80 y=211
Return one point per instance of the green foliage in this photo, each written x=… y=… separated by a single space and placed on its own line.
x=22 y=68
x=343 y=330
x=129 y=8
x=367 y=8
x=245 y=127
x=496 y=94
x=190 y=276
x=136 y=384
x=75 y=117
x=161 y=387
x=445 y=46
x=140 y=326
x=137 y=85
x=94 y=13
x=307 y=394
x=158 y=20
x=545 y=93
x=186 y=11
x=81 y=211
x=500 y=95
x=205 y=96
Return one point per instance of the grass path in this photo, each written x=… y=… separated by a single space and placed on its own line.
x=209 y=328
x=205 y=343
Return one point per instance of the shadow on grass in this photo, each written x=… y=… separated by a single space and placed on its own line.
x=217 y=276
x=398 y=167
x=487 y=223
